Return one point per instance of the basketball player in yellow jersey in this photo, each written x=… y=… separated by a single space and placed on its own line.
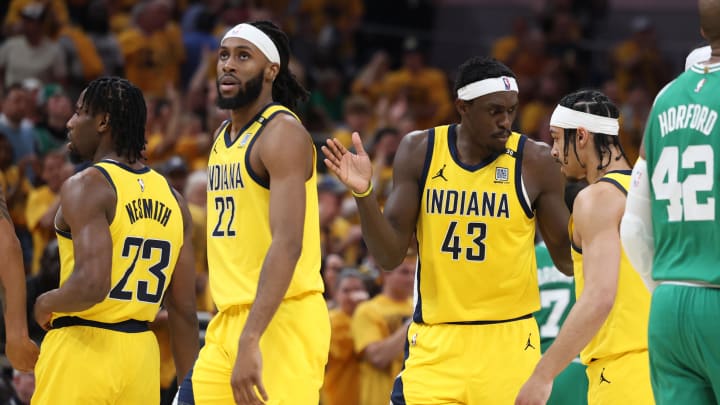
x=608 y=324
x=269 y=341
x=20 y=350
x=472 y=192
x=124 y=238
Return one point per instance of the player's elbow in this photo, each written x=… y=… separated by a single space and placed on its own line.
x=389 y=262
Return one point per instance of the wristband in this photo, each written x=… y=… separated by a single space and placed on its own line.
x=364 y=193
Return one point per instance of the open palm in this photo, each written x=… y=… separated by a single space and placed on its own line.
x=353 y=169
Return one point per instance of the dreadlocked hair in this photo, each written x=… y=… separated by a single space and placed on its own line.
x=124 y=104
x=596 y=103
x=286 y=89
x=480 y=68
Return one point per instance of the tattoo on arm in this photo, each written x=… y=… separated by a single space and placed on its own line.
x=4 y=214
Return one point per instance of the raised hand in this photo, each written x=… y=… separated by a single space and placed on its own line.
x=355 y=170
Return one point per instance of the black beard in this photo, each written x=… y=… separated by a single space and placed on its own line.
x=75 y=157
x=244 y=96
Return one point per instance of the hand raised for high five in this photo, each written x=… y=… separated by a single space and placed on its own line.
x=354 y=170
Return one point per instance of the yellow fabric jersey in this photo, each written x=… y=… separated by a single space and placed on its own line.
x=475 y=234
x=147 y=235
x=238 y=224
x=625 y=329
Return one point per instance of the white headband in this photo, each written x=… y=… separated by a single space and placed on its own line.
x=256 y=37
x=564 y=117
x=487 y=86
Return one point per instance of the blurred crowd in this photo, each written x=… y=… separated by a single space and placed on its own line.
x=367 y=72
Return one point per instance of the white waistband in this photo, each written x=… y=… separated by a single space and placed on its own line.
x=691 y=284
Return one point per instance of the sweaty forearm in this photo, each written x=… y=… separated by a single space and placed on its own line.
x=387 y=247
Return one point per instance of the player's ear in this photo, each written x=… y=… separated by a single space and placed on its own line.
x=461 y=106
x=583 y=136
x=271 y=71
x=104 y=123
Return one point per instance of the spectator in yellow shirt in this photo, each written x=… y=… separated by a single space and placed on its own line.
x=423 y=89
x=342 y=373
x=379 y=330
x=43 y=202
x=152 y=48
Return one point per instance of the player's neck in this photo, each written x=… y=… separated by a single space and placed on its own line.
x=242 y=116
x=617 y=162
x=714 y=54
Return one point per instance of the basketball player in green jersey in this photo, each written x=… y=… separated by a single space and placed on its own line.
x=671 y=231
x=608 y=323
x=124 y=237
x=269 y=342
x=472 y=192
x=557 y=297
x=20 y=350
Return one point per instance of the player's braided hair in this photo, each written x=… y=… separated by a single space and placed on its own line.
x=596 y=103
x=286 y=89
x=124 y=104
x=480 y=68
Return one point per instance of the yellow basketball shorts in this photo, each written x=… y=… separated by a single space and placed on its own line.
x=467 y=364
x=91 y=365
x=294 y=348
x=621 y=379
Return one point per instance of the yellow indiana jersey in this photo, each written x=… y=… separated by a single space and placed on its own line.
x=475 y=234
x=147 y=235
x=625 y=329
x=238 y=223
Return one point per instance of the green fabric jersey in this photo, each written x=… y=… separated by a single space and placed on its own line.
x=682 y=139
x=557 y=296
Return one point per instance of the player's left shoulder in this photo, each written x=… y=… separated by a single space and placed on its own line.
x=285 y=125
x=536 y=152
x=601 y=200
x=540 y=171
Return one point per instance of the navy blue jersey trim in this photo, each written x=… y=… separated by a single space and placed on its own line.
x=229 y=142
x=186 y=394
x=64 y=234
x=417 y=314
x=257 y=179
x=397 y=397
x=614 y=183
x=107 y=176
x=574 y=246
x=518 y=177
x=128 y=326
x=426 y=165
x=221 y=134
x=452 y=144
x=141 y=170
x=626 y=171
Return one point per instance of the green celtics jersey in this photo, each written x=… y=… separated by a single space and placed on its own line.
x=557 y=296
x=682 y=142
